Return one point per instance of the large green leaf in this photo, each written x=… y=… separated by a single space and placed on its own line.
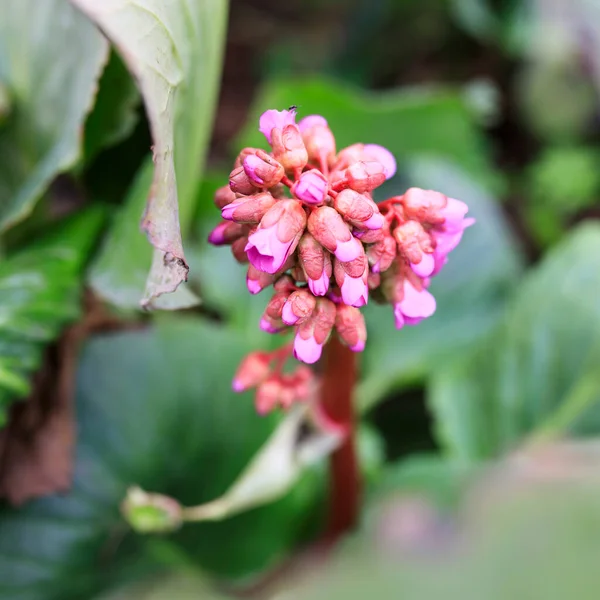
x=50 y=59
x=174 y=51
x=40 y=292
x=470 y=292
x=407 y=121
x=538 y=373
x=154 y=408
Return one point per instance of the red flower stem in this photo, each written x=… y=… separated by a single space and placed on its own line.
x=339 y=379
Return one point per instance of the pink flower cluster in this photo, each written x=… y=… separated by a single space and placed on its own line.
x=304 y=218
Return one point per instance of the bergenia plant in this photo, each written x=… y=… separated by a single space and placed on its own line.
x=303 y=218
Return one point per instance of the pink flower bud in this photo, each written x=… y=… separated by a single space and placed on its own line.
x=298 y=307
x=225 y=233
x=303 y=382
x=239 y=161
x=268 y=395
x=284 y=284
x=253 y=369
x=327 y=227
x=240 y=183
x=365 y=176
x=424 y=206
x=224 y=196
x=370 y=236
x=318 y=139
x=382 y=254
x=352 y=277
x=263 y=170
x=373 y=280
x=413 y=305
x=348 y=156
x=288 y=148
x=256 y=280
x=275 y=306
x=350 y=325
x=269 y=325
x=316 y=264
x=359 y=210
x=277 y=236
x=275 y=119
x=311 y=187
x=415 y=244
x=249 y=209
x=313 y=333
x=381 y=155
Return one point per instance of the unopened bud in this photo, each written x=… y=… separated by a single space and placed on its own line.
x=359 y=210
x=311 y=187
x=288 y=148
x=350 y=325
x=326 y=225
x=274 y=308
x=238 y=249
x=351 y=277
x=365 y=176
x=375 y=152
x=415 y=244
x=316 y=264
x=225 y=233
x=263 y=170
x=224 y=196
x=298 y=307
x=318 y=139
x=253 y=369
x=284 y=284
x=313 y=333
x=256 y=280
x=382 y=254
x=151 y=513
x=268 y=395
x=269 y=325
x=249 y=209
x=370 y=236
x=275 y=119
x=424 y=205
x=348 y=156
x=239 y=161
x=240 y=183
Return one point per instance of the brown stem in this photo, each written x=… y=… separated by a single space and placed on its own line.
x=339 y=379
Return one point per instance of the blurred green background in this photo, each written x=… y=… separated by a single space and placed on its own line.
x=494 y=102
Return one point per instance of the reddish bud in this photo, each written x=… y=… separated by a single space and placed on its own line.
x=311 y=187
x=318 y=139
x=373 y=280
x=274 y=308
x=249 y=209
x=359 y=210
x=316 y=264
x=262 y=169
x=414 y=243
x=268 y=395
x=313 y=333
x=298 y=307
x=348 y=156
x=424 y=205
x=240 y=183
x=382 y=254
x=351 y=277
x=284 y=284
x=253 y=369
x=370 y=236
x=256 y=280
x=350 y=325
x=288 y=147
x=239 y=161
x=225 y=233
x=365 y=176
x=224 y=196
x=326 y=225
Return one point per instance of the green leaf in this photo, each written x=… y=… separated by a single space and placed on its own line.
x=174 y=52
x=470 y=292
x=50 y=59
x=406 y=121
x=114 y=115
x=154 y=408
x=40 y=293
x=538 y=372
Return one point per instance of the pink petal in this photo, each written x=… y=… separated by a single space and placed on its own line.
x=311 y=121
x=415 y=303
x=354 y=291
x=347 y=251
x=358 y=347
x=265 y=251
x=288 y=316
x=454 y=213
x=319 y=286
x=227 y=211
x=376 y=221
x=307 y=351
x=253 y=286
x=275 y=118
x=383 y=156
x=266 y=326
x=425 y=267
